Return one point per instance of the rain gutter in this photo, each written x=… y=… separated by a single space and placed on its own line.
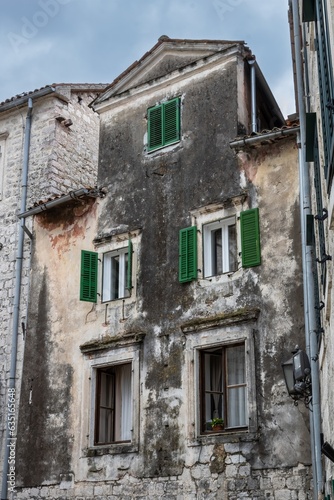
x=73 y=195
x=247 y=141
x=16 y=310
x=19 y=101
x=308 y=261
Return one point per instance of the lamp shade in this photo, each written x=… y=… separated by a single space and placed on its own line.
x=288 y=372
x=301 y=365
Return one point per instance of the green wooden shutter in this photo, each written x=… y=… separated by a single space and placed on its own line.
x=88 y=281
x=171 y=122
x=308 y=10
x=310 y=125
x=155 y=138
x=129 y=272
x=250 y=238
x=188 y=254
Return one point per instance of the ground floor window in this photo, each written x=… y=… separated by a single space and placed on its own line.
x=223 y=387
x=113 y=420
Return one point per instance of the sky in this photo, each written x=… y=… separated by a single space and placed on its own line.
x=93 y=41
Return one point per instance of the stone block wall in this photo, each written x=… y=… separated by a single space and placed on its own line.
x=235 y=481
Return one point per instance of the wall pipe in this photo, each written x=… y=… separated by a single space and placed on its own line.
x=308 y=261
x=263 y=137
x=251 y=62
x=307 y=339
x=73 y=195
x=16 y=304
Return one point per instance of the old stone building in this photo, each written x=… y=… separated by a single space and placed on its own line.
x=48 y=146
x=313 y=44
x=167 y=305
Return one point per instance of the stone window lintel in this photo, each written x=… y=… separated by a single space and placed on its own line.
x=224 y=319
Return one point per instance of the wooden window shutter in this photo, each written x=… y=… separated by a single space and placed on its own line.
x=171 y=131
x=308 y=11
x=310 y=126
x=88 y=281
x=250 y=238
x=188 y=254
x=155 y=137
x=129 y=271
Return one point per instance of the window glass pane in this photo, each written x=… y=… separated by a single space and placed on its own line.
x=237 y=407
x=213 y=386
x=114 y=277
x=217 y=252
x=235 y=365
x=126 y=402
x=105 y=426
x=106 y=398
x=232 y=247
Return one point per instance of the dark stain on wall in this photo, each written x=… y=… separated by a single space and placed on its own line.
x=45 y=399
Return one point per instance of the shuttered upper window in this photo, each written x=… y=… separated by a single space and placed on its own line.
x=220 y=246
x=164 y=124
x=116 y=274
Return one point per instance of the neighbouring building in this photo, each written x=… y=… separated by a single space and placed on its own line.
x=63 y=149
x=314 y=34
x=160 y=312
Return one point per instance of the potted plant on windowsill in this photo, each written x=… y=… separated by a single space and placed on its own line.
x=217 y=424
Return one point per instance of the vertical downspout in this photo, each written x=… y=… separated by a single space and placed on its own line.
x=17 y=291
x=306 y=319
x=307 y=345
x=309 y=299
x=251 y=62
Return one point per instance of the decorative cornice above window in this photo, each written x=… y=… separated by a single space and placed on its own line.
x=112 y=342
x=225 y=319
x=119 y=233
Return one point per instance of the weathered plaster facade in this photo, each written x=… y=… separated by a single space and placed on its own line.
x=61 y=158
x=163 y=328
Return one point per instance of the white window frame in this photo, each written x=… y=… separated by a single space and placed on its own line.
x=207 y=230
x=107 y=274
x=115 y=244
x=205 y=218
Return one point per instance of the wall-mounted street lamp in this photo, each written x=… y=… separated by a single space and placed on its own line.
x=297 y=375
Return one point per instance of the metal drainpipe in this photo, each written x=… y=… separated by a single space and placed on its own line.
x=309 y=299
x=251 y=62
x=307 y=346
x=17 y=294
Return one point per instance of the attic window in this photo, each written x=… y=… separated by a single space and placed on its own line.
x=164 y=124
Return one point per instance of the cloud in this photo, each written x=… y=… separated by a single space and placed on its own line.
x=82 y=40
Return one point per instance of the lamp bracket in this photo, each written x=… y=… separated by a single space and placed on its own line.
x=324 y=258
x=323 y=216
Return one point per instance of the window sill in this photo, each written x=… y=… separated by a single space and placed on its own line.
x=223 y=437
x=166 y=148
x=110 y=449
x=220 y=279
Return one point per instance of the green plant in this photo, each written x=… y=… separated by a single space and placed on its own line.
x=217 y=421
